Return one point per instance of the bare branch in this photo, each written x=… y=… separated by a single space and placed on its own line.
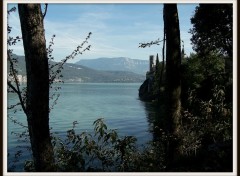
x=144 y=45
x=77 y=51
x=49 y=48
x=45 y=10
x=56 y=68
x=17 y=88
x=55 y=101
x=11 y=10
x=12 y=87
x=13 y=106
x=16 y=122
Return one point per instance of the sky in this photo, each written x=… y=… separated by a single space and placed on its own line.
x=117 y=29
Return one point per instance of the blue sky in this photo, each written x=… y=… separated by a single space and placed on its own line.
x=117 y=29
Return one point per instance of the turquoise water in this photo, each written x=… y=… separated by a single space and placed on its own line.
x=117 y=103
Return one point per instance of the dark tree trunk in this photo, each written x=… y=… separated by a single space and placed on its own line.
x=163 y=57
x=173 y=63
x=37 y=85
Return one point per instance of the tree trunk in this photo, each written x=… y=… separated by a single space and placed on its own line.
x=37 y=106
x=173 y=87
x=163 y=57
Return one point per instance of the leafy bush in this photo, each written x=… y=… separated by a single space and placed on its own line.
x=102 y=151
x=206 y=131
x=202 y=75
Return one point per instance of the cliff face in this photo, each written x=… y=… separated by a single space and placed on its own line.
x=146 y=90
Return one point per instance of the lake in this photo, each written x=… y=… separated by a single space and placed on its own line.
x=117 y=103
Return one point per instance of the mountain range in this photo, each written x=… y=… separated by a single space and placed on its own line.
x=79 y=73
x=117 y=63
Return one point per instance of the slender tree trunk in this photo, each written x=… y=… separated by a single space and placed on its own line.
x=163 y=57
x=37 y=85
x=173 y=63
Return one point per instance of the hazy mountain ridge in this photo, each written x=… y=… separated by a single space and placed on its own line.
x=117 y=63
x=79 y=73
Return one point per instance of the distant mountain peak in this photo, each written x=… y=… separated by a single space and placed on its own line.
x=116 y=64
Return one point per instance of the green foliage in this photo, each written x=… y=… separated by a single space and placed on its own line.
x=203 y=74
x=150 y=159
x=212 y=120
x=212 y=28
x=206 y=128
x=102 y=151
x=205 y=133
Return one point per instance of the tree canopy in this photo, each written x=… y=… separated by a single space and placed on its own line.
x=212 y=28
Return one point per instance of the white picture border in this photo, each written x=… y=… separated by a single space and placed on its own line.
x=5 y=173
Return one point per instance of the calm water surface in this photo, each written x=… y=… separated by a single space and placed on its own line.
x=117 y=103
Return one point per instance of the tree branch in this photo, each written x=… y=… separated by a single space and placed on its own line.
x=13 y=9
x=59 y=65
x=156 y=42
x=163 y=54
x=45 y=10
x=16 y=89
x=12 y=87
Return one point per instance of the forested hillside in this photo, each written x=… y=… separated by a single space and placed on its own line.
x=79 y=73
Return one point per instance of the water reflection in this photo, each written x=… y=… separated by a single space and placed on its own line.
x=155 y=118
